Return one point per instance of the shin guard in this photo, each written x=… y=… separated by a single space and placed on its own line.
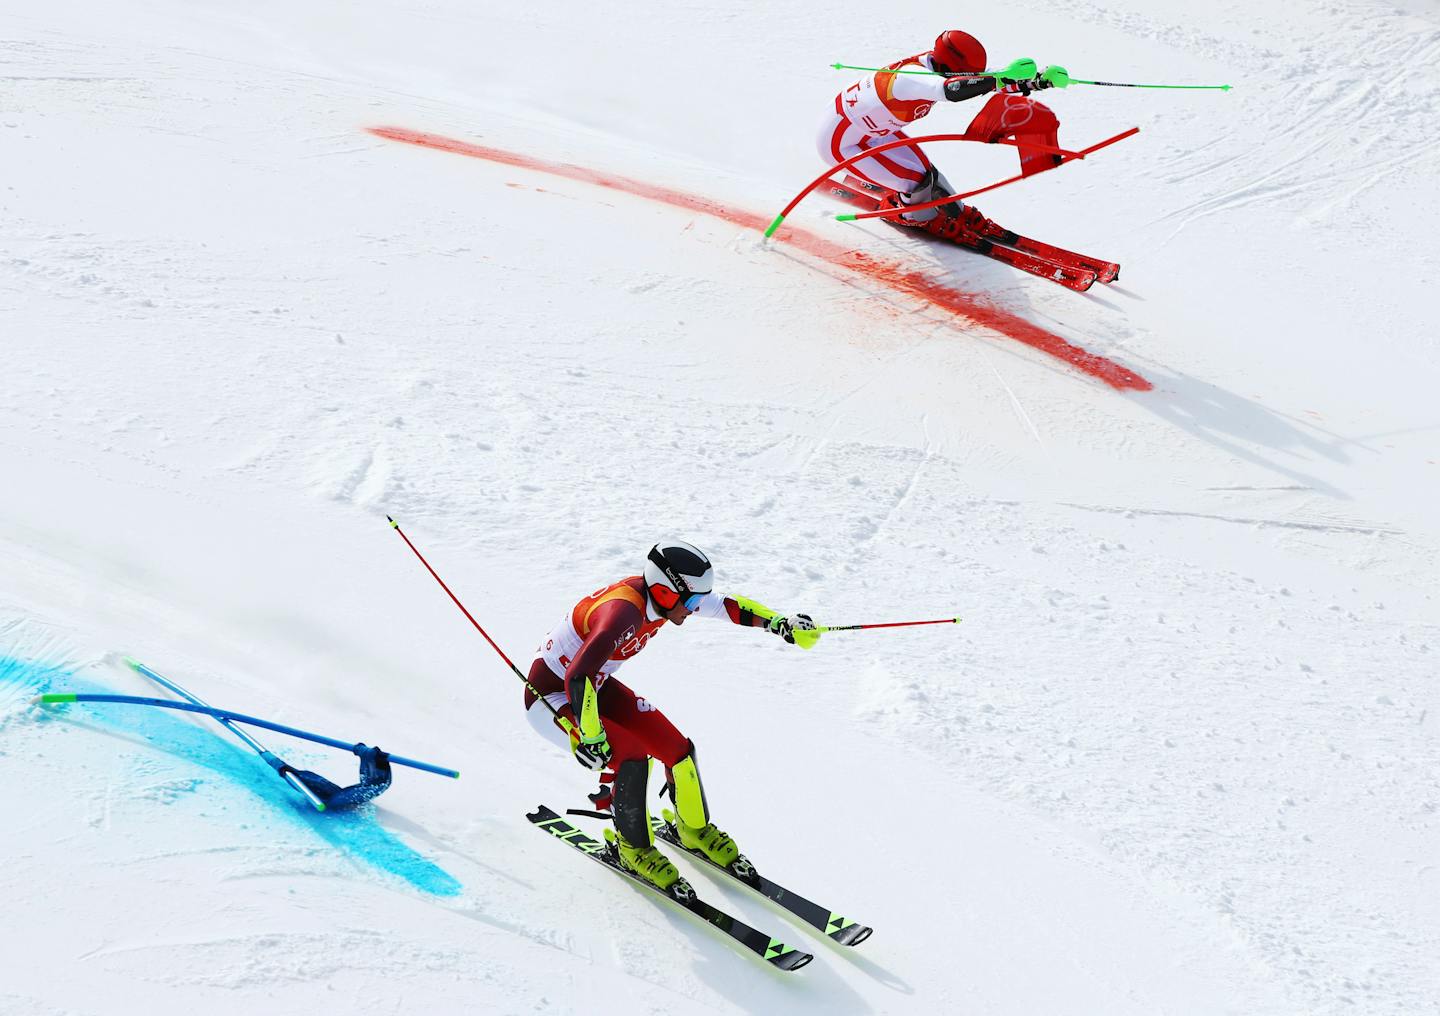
x=689 y=794
x=631 y=810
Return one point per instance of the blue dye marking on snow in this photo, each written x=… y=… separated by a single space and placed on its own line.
x=355 y=834
x=20 y=681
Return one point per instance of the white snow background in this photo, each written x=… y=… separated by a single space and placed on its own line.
x=1181 y=755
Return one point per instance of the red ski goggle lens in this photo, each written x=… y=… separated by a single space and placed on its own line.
x=667 y=599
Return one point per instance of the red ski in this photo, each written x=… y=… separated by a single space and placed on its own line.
x=1071 y=276
x=1068 y=269
x=1105 y=271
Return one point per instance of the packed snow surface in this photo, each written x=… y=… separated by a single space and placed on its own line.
x=1179 y=757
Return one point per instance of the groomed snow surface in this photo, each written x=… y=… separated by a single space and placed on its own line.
x=1179 y=758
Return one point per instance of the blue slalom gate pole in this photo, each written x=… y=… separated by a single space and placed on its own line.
x=270 y=758
x=54 y=698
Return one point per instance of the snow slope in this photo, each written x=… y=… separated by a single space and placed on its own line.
x=1180 y=757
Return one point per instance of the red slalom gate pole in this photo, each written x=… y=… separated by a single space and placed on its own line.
x=516 y=670
x=774 y=225
x=888 y=624
x=882 y=213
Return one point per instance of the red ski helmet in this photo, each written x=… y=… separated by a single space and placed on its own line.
x=958 y=52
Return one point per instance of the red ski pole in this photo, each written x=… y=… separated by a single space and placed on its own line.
x=566 y=724
x=888 y=624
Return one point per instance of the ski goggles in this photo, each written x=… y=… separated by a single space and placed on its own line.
x=667 y=599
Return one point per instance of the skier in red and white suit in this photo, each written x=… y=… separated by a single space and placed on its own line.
x=877 y=108
x=578 y=659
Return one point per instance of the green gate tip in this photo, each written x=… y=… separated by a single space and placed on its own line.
x=847 y=217
x=774 y=225
x=131 y=662
x=49 y=698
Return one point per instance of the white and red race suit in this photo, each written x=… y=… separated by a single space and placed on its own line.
x=598 y=634
x=877 y=108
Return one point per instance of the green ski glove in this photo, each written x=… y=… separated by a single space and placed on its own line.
x=1018 y=70
x=1054 y=76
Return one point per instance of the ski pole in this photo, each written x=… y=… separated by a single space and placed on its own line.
x=888 y=624
x=1127 y=84
x=991 y=74
x=565 y=724
x=270 y=758
x=54 y=698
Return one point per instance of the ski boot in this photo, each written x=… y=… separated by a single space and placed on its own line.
x=891 y=203
x=647 y=862
x=965 y=227
x=708 y=840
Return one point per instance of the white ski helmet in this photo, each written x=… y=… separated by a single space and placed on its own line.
x=677 y=572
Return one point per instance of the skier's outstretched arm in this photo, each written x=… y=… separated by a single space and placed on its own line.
x=797 y=629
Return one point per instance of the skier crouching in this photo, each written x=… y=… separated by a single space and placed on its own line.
x=877 y=108
x=618 y=732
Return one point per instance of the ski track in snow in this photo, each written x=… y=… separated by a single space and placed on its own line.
x=1179 y=757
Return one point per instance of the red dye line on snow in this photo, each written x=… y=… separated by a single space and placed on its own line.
x=892 y=274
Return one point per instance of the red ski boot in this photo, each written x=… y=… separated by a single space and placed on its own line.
x=965 y=226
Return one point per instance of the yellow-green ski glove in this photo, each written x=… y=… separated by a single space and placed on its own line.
x=798 y=630
x=593 y=755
